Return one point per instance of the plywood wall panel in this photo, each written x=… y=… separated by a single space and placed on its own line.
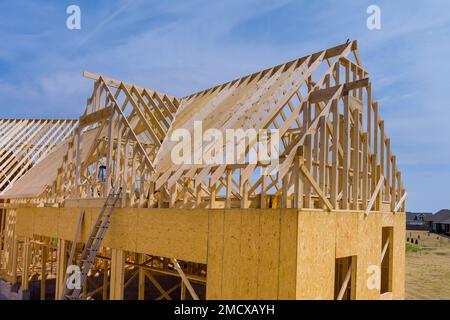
x=369 y=253
x=250 y=249
x=153 y=231
x=269 y=255
x=288 y=254
x=215 y=254
x=231 y=254
x=398 y=279
x=316 y=255
x=251 y=253
x=124 y=231
x=346 y=234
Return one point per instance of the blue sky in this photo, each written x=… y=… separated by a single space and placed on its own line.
x=182 y=46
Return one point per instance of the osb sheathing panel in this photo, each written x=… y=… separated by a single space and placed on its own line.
x=316 y=255
x=288 y=255
x=250 y=251
x=323 y=237
x=398 y=284
x=157 y=231
x=346 y=237
x=369 y=253
x=215 y=253
x=251 y=254
x=398 y=280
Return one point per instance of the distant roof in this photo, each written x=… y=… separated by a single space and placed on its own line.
x=439 y=217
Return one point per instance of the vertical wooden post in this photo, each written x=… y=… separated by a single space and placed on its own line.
x=15 y=251
x=117 y=274
x=141 y=185
x=185 y=191
x=141 y=288
x=375 y=145
x=394 y=175
x=307 y=151
x=61 y=261
x=308 y=164
x=109 y=156
x=173 y=195
x=387 y=195
x=228 y=190
x=299 y=181
x=337 y=73
x=335 y=155
x=382 y=153
x=284 y=191
x=263 y=189
x=369 y=116
x=399 y=186
x=118 y=152
x=26 y=264
x=354 y=78
x=198 y=195
x=322 y=152
x=243 y=191
x=365 y=170
x=78 y=163
x=44 y=252
x=315 y=150
x=105 y=280
x=125 y=169
x=346 y=154
x=212 y=199
x=133 y=177
x=355 y=181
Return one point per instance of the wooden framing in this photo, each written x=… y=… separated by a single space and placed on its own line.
x=25 y=142
x=334 y=156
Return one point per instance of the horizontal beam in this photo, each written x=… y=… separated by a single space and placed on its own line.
x=96 y=116
x=326 y=94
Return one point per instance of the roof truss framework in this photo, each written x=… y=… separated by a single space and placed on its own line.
x=335 y=153
x=334 y=149
x=24 y=143
x=130 y=123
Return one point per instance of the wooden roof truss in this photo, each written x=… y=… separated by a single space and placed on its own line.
x=334 y=151
x=130 y=123
x=25 y=142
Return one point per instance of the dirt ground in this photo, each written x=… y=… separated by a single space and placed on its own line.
x=427 y=266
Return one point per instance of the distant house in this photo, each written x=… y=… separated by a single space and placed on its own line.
x=439 y=222
x=417 y=220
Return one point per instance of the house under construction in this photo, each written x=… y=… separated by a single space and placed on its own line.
x=103 y=193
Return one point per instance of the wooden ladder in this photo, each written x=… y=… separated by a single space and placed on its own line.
x=93 y=243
